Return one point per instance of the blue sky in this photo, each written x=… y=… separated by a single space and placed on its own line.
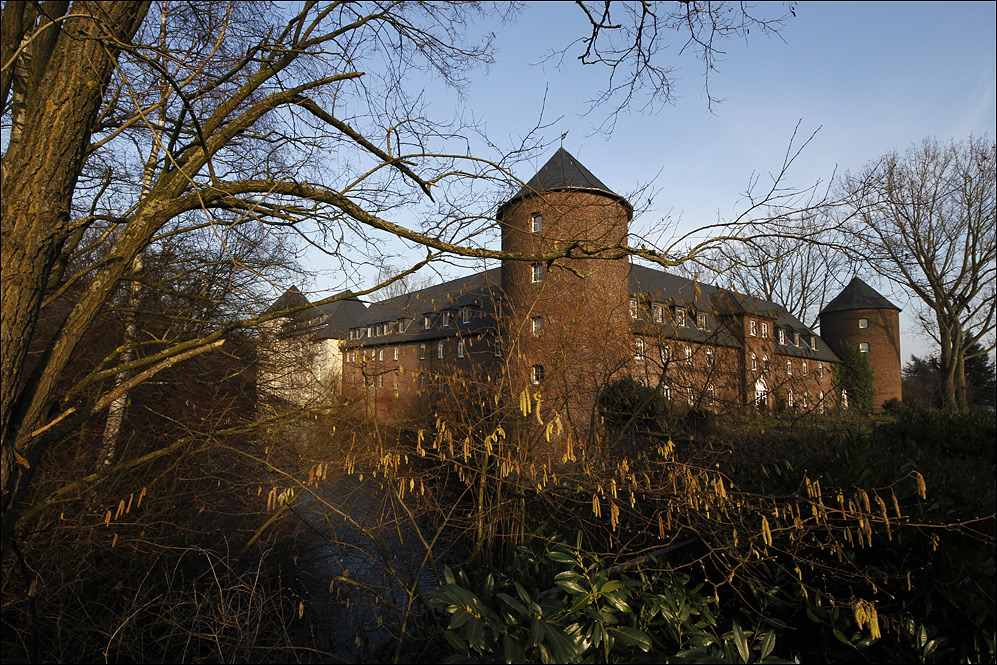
x=870 y=76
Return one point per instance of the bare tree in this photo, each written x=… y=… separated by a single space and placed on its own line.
x=800 y=270
x=299 y=126
x=925 y=220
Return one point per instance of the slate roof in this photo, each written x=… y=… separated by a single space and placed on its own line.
x=563 y=172
x=479 y=292
x=673 y=290
x=858 y=295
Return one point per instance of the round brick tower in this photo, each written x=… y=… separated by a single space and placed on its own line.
x=565 y=323
x=859 y=316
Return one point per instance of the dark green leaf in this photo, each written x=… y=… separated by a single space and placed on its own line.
x=632 y=636
x=768 y=644
x=741 y=642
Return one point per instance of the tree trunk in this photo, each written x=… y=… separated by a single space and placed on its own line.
x=69 y=69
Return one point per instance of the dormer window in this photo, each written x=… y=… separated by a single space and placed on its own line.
x=796 y=338
x=465 y=315
x=753 y=328
x=658 y=314
x=446 y=319
x=680 y=316
x=701 y=321
x=426 y=323
x=537 y=273
x=370 y=331
x=536 y=222
x=782 y=336
x=813 y=342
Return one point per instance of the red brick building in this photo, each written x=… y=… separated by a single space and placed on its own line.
x=861 y=317
x=564 y=329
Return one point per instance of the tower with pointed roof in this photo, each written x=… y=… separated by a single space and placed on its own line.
x=861 y=317
x=562 y=318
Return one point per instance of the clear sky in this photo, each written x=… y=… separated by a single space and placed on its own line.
x=869 y=76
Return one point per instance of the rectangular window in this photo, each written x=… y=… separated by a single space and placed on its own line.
x=537 y=222
x=658 y=316
x=680 y=316
x=805 y=368
x=754 y=361
x=666 y=354
x=765 y=330
x=789 y=368
x=753 y=328
x=864 y=347
x=638 y=349
x=709 y=357
x=782 y=336
x=863 y=323
x=796 y=338
x=460 y=348
x=422 y=351
x=813 y=342
x=701 y=321
x=688 y=355
x=633 y=308
x=537 y=325
x=396 y=353
x=497 y=347
x=446 y=319
x=666 y=390
x=537 y=273
x=538 y=374
x=425 y=323
x=820 y=370
x=465 y=315
x=439 y=350
x=380 y=380
x=380 y=354
x=370 y=331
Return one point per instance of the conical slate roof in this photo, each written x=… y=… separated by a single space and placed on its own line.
x=858 y=295
x=561 y=172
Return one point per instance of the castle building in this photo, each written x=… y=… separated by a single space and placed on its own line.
x=562 y=330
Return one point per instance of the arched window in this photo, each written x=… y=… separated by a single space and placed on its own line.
x=422 y=351
x=439 y=350
x=638 y=349
x=460 y=348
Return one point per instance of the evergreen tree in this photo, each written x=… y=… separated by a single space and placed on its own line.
x=855 y=376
